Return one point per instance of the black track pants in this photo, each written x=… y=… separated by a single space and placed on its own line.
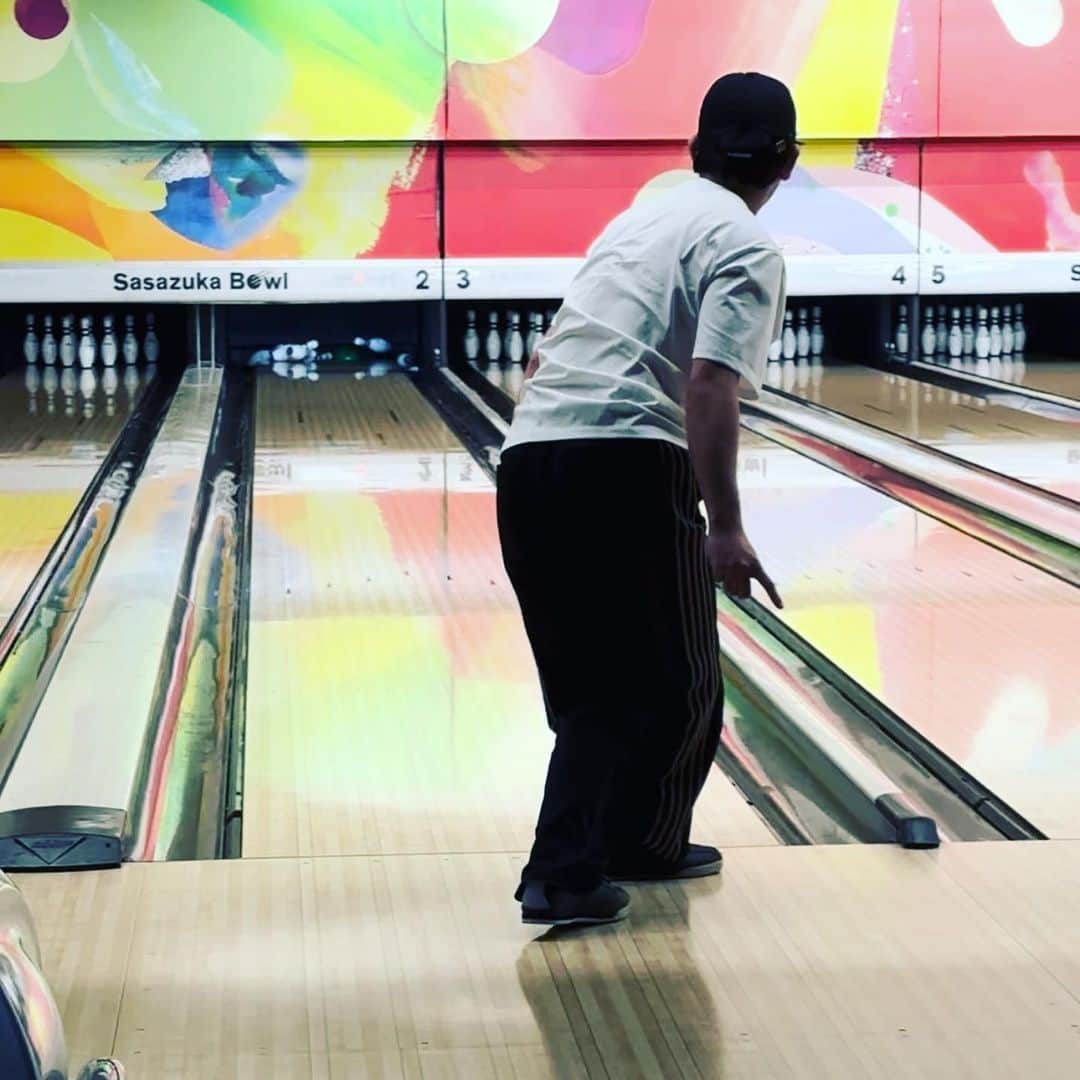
x=604 y=545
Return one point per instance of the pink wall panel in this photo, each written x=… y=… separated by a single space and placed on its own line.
x=1014 y=196
x=552 y=200
x=1010 y=67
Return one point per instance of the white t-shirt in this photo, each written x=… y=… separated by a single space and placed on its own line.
x=687 y=274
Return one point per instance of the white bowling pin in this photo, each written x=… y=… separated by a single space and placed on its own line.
x=802 y=336
x=67 y=340
x=515 y=343
x=151 y=345
x=995 y=332
x=941 y=333
x=982 y=336
x=956 y=335
x=87 y=344
x=493 y=343
x=48 y=342
x=1019 y=330
x=1006 y=330
x=472 y=338
x=929 y=336
x=31 y=345
x=130 y=345
x=968 y=333
x=109 y=347
x=902 y=337
x=513 y=320
x=817 y=335
x=776 y=350
x=790 y=344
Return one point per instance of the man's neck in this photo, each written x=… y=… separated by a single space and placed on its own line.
x=754 y=197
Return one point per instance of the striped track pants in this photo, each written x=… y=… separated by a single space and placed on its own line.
x=605 y=549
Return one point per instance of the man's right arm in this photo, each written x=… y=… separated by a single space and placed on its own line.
x=712 y=430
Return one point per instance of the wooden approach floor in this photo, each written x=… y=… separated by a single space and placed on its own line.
x=797 y=962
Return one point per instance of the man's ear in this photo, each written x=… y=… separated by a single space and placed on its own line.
x=792 y=158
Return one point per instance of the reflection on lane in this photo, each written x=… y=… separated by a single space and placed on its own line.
x=1060 y=377
x=972 y=648
x=392 y=701
x=1020 y=445
x=54 y=434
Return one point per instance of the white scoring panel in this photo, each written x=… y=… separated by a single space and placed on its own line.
x=281 y=281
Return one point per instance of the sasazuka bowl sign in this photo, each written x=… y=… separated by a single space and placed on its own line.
x=233 y=281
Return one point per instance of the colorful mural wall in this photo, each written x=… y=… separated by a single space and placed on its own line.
x=356 y=70
x=268 y=129
x=217 y=200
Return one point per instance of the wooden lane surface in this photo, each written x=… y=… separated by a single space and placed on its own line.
x=392 y=703
x=825 y=962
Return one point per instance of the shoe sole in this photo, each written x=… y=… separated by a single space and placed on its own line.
x=576 y=920
x=704 y=870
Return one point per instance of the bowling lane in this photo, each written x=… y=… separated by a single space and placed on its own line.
x=54 y=433
x=1025 y=446
x=1060 y=377
x=392 y=703
x=970 y=647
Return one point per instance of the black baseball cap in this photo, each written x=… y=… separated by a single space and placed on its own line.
x=747 y=114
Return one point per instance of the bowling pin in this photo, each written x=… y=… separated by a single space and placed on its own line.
x=31 y=345
x=67 y=340
x=68 y=385
x=50 y=381
x=941 y=334
x=802 y=336
x=929 y=337
x=130 y=345
x=87 y=344
x=776 y=350
x=151 y=345
x=790 y=345
x=1006 y=330
x=472 y=338
x=902 y=337
x=109 y=347
x=968 y=333
x=109 y=381
x=995 y=332
x=515 y=343
x=982 y=336
x=549 y=319
x=493 y=350
x=33 y=384
x=1019 y=330
x=956 y=335
x=88 y=390
x=48 y=342
x=817 y=335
